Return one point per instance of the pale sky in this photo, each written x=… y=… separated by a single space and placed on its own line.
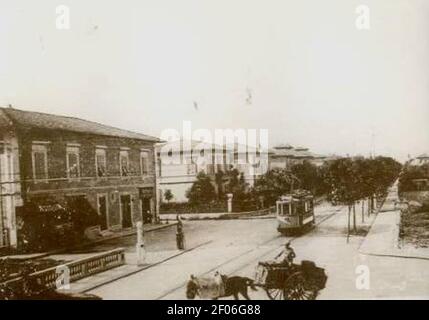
x=315 y=79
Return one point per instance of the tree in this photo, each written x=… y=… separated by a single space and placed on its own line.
x=311 y=177
x=168 y=195
x=202 y=190
x=274 y=184
x=351 y=180
x=236 y=184
x=220 y=179
x=340 y=178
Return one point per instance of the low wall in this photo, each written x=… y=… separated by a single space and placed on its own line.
x=78 y=269
x=220 y=215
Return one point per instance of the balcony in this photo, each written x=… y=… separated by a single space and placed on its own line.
x=88 y=182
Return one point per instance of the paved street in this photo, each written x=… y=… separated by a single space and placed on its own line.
x=237 y=246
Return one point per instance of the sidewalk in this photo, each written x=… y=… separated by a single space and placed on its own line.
x=109 y=235
x=130 y=268
x=383 y=238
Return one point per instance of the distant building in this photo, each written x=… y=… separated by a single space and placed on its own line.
x=284 y=156
x=181 y=162
x=178 y=167
x=73 y=162
x=420 y=160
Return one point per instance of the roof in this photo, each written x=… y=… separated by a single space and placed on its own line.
x=301 y=149
x=56 y=122
x=423 y=156
x=285 y=150
x=293 y=153
x=283 y=146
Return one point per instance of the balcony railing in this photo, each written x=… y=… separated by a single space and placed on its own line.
x=77 y=269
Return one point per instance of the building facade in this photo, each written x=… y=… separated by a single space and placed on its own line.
x=74 y=161
x=284 y=156
x=420 y=160
x=184 y=160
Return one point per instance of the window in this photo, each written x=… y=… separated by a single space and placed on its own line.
x=279 y=209
x=159 y=167
x=210 y=169
x=39 y=155
x=236 y=157
x=100 y=162
x=144 y=162
x=73 y=168
x=124 y=163
x=103 y=211
x=191 y=169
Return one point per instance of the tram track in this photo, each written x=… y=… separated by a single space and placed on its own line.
x=291 y=240
x=247 y=252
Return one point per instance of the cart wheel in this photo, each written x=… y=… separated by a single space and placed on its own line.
x=297 y=288
x=275 y=293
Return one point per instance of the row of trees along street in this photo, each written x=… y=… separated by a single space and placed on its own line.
x=350 y=181
x=345 y=181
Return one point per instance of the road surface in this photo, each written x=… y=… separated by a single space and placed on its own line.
x=238 y=245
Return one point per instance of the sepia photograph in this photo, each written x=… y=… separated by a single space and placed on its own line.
x=191 y=150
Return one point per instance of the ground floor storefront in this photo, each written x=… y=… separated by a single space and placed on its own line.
x=54 y=218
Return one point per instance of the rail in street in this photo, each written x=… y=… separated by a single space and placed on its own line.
x=263 y=250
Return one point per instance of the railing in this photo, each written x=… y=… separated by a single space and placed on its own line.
x=78 y=269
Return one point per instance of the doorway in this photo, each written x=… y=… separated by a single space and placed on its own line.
x=102 y=211
x=146 y=210
x=126 y=211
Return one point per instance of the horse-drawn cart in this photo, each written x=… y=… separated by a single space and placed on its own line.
x=281 y=282
x=295 y=282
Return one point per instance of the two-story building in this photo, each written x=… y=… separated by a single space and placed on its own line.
x=179 y=163
x=75 y=162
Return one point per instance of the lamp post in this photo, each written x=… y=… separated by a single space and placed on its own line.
x=140 y=249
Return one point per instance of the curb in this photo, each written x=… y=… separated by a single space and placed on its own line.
x=389 y=253
x=393 y=256
x=230 y=218
x=142 y=268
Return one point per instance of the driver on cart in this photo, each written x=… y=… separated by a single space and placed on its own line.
x=286 y=256
x=283 y=259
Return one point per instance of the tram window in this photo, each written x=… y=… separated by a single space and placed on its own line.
x=299 y=208
x=285 y=209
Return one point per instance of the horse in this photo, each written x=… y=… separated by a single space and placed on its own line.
x=233 y=286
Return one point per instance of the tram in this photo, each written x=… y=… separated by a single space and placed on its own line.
x=295 y=212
